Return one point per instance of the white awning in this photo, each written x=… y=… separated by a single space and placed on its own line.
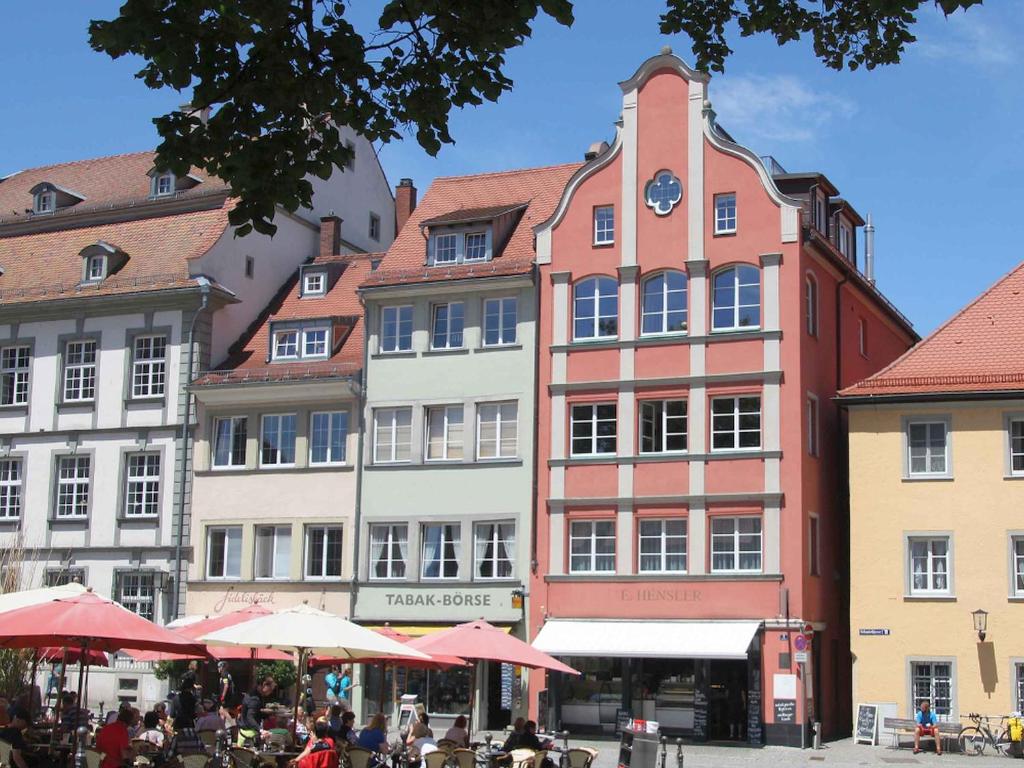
x=640 y=638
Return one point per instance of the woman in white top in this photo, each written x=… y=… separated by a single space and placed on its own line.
x=458 y=732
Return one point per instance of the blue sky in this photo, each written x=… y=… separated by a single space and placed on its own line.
x=930 y=147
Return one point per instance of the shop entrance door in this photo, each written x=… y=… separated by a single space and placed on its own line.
x=500 y=691
x=727 y=701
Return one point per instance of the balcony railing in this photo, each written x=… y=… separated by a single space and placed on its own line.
x=772 y=165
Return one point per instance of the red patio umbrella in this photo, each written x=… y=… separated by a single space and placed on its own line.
x=480 y=641
x=93 y=658
x=223 y=652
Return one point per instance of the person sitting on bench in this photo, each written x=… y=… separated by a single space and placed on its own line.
x=927 y=725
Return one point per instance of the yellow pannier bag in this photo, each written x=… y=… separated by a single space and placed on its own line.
x=1016 y=728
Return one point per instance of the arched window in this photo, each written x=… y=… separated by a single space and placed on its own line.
x=736 y=301
x=664 y=304
x=811 y=304
x=596 y=308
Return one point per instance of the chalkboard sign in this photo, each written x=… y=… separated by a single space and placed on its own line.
x=866 y=731
x=785 y=710
x=622 y=718
x=625 y=748
x=754 y=734
x=700 y=715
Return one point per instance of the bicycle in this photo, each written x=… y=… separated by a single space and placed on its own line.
x=973 y=739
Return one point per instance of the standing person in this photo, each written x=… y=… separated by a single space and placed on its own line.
x=927 y=725
x=225 y=687
x=250 y=720
x=332 y=681
x=344 y=686
x=14 y=734
x=114 y=742
x=185 y=713
x=458 y=732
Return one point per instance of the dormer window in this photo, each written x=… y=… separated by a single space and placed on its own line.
x=45 y=202
x=48 y=197
x=286 y=345
x=303 y=342
x=314 y=283
x=845 y=239
x=95 y=269
x=446 y=249
x=476 y=246
x=460 y=247
x=820 y=215
x=100 y=260
x=163 y=184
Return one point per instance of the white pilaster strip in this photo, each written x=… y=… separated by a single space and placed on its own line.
x=771 y=410
x=696 y=539
x=624 y=539
x=629 y=180
x=772 y=539
x=558 y=423
x=695 y=173
x=556 y=540
x=790 y=221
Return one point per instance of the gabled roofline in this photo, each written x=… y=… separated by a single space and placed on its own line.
x=665 y=60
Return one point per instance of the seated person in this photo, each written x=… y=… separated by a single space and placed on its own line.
x=458 y=732
x=512 y=742
x=424 y=719
x=14 y=734
x=528 y=738
x=114 y=742
x=319 y=751
x=151 y=730
x=340 y=726
x=927 y=725
x=374 y=736
x=210 y=719
x=422 y=742
x=71 y=715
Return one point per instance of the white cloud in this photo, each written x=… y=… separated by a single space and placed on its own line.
x=775 y=108
x=968 y=39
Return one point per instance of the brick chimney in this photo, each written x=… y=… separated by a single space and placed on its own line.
x=405 y=203
x=330 y=235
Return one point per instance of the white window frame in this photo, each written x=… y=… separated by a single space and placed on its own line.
x=446 y=237
x=736 y=308
x=136 y=592
x=390 y=345
x=282 y=532
x=73 y=491
x=931 y=574
x=390 y=415
x=587 y=531
x=501 y=421
x=500 y=303
x=811 y=305
x=232 y=533
x=15 y=372
x=813 y=425
x=331 y=459
x=142 y=485
x=1016 y=564
x=80 y=374
x=452 y=440
x=467 y=246
x=929 y=423
x=12 y=492
x=314 y=283
x=1018 y=685
x=736 y=414
x=604 y=228
x=286 y=344
x=663 y=314
x=95 y=269
x=272 y=425
x=447 y=338
x=494 y=540
x=392 y=540
x=307 y=559
x=307 y=340
x=663 y=538
x=149 y=369
x=158 y=180
x=235 y=422
x=594 y=284
x=735 y=534
x=447 y=540
x=661 y=421
x=845 y=239
x=912 y=674
x=1013 y=452
x=45 y=202
x=593 y=421
x=725 y=213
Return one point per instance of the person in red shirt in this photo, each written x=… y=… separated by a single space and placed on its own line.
x=114 y=742
x=320 y=751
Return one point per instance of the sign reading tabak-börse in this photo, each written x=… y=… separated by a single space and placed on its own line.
x=433 y=603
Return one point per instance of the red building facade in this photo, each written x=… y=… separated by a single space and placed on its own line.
x=699 y=309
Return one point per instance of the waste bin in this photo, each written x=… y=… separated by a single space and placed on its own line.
x=639 y=749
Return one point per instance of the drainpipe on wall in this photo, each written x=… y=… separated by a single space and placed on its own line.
x=186 y=432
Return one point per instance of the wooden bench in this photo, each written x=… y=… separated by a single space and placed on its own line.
x=899 y=726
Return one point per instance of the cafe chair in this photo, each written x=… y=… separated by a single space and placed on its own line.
x=437 y=759
x=93 y=757
x=464 y=758
x=209 y=738
x=195 y=761
x=539 y=758
x=522 y=758
x=5 y=754
x=581 y=757
x=447 y=745
x=243 y=757
x=358 y=757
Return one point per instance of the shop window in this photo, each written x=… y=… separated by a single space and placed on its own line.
x=933 y=680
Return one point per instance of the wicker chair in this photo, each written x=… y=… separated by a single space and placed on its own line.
x=243 y=757
x=437 y=759
x=5 y=754
x=358 y=757
x=447 y=745
x=522 y=758
x=93 y=757
x=464 y=758
x=581 y=757
x=195 y=761
x=209 y=738
x=539 y=758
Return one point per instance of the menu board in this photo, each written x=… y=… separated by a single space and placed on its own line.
x=785 y=710
x=754 y=734
x=700 y=701
x=867 y=724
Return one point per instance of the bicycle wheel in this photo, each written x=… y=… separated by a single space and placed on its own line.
x=971 y=741
x=1003 y=742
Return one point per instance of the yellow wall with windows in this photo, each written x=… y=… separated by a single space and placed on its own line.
x=981 y=508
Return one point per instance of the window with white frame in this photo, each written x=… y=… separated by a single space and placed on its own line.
x=736 y=299
x=725 y=213
x=1017 y=563
x=444 y=436
x=929 y=565
x=820 y=213
x=392 y=435
x=735 y=544
x=142 y=485
x=447 y=326
x=862 y=336
x=604 y=225
x=314 y=283
x=593 y=429
x=592 y=546
x=45 y=202
x=1018 y=700
x=396 y=329
x=845 y=239
x=323 y=551
x=736 y=423
x=80 y=371
x=927 y=448
x=446 y=249
x=476 y=246
x=389 y=551
x=813 y=428
x=277 y=440
x=811 y=305
x=328 y=433
x=73 y=487
x=229 y=438
x=58 y=577
x=11 y=478
x=441 y=546
x=95 y=269
x=663 y=546
x=163 y=184
x=662 y=426
x=814 y=545
x=273 y=552
x=374 y=226
x=495 y=550
x=663 y=307
x=596 y=309
x=314 y=342
x=1016 y=445
x=501 y=318
x=286 y=344
x=149 y=366
x=14 y=372
x=497 y=434
x=136 y=591
x=933 y=681
x=224 y=552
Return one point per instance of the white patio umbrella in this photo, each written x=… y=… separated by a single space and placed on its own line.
x=14 y=600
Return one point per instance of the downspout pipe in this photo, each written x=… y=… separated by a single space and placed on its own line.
x=186 y=434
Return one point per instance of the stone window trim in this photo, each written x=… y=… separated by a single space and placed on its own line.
x=930 y=418
x=308 y=528
x=62 y=346
x=223 y=525
x=1008 y=419
x=52 y=574
x=22 y=341
x=1016 y=694
x=1012 y=536
x=908 y=570
x=724 y=224
x=141 y=521
x=9 y=524
x=911 y=660
x=158 y=576
x=52 y=518
x=170 y=371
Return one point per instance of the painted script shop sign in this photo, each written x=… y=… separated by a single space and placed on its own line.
x=413 y=602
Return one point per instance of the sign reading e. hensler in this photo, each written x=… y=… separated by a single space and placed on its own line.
x=663 y=595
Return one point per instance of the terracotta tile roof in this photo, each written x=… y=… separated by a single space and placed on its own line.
x=469 y=215
x=104 y=182
x=248 y=358
x=979 y=349
x=540 y=188
x=48 y=265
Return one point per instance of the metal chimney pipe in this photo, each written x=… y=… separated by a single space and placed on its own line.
x=869 y=251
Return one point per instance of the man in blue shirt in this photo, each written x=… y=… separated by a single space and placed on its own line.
x=927 y=725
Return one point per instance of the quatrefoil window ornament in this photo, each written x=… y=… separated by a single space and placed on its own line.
x=663 y=192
